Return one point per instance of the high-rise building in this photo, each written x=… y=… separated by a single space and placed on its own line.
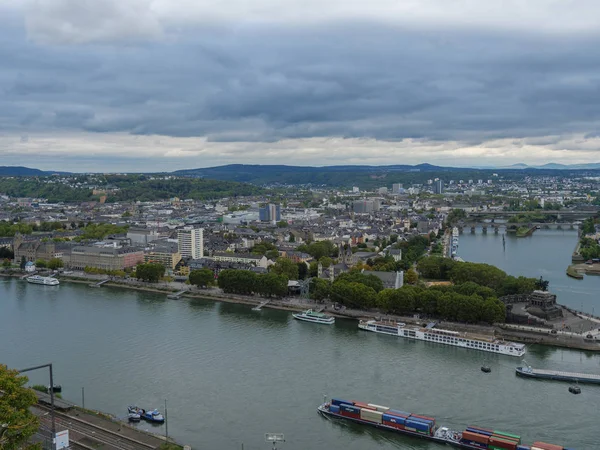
x=270 y=213
x=438 y=187
x=396 y=188
x=191 y=242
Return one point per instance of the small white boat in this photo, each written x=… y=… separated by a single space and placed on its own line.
x=313 y=316
x=47 y=281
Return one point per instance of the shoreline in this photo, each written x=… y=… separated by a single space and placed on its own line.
x=502 y=331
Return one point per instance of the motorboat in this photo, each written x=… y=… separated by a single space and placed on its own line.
x=316 y=317
x=149 y=416
x=133 y=417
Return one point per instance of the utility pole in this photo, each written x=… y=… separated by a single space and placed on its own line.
x=83 y=398
x=51 y=398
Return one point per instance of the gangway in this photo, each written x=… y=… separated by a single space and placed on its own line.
x=259 y=307
x=100 y=283
x=177 y=295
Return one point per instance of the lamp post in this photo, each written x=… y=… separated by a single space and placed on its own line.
x=29 y=369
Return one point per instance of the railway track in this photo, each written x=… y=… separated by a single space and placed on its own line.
x=87 y=436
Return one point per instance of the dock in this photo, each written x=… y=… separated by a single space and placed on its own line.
x=259 y=307
x=558 y=375
x=177 y=295
x=99 y=283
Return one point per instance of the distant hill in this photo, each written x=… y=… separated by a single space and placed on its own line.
x=369 y=176
x=555 y=166
x=298 y=175
x=19 y=171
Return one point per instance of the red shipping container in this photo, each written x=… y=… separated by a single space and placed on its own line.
x=422 y=417
x=503 y=443
x=349 y=414
x=398 y=426
x=545 y=446
x=481 y=438
x=364 y=405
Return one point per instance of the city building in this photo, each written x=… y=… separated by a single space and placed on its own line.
x=142 y=236
x=243 y=258
x=270 y=213
x=365 y=206
x=191 y=242
x=438 y=187
x=396 y=188
x=166 y=253
x=105 y=258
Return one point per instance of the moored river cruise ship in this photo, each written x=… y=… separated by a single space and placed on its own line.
x=430 y=334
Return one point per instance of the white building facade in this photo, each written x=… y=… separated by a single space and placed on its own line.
x=191 y=242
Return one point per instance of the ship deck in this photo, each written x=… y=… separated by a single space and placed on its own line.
x=574 y=376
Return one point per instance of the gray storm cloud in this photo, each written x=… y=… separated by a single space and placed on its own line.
x=82 y=67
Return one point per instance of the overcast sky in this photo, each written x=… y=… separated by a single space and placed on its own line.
x=149 y=85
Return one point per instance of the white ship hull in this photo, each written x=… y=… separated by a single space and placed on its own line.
x=325 y=321
x=46 y=281
x=446 y=337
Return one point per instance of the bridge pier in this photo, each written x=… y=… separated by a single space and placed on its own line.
x=484 y=229
x=496 y=229
x=559 y=227
x=473 y=229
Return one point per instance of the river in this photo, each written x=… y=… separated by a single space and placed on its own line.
x=231 y=374
x=546 y=253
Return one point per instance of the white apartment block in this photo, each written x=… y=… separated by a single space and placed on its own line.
x=191 y=242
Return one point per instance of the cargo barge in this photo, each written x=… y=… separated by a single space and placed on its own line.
x=573 y=377
x=425 y=427
x=447 y=337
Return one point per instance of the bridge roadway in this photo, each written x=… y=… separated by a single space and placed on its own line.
x=562 y=214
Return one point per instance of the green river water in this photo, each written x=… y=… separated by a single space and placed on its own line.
x=231 y=374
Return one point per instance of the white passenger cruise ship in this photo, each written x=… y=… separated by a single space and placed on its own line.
x=48 y=281
x=444 y=337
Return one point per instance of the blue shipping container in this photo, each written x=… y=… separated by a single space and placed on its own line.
x=395 y=411
x=338 y=402
x=523 y=447
x=482 y=432
x=334 y=409
x=350 y=409
x=420 y=426
x=393 y=419
x=418 y=419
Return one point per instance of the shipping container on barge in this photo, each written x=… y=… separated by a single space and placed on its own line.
x=440 y=336
x=425 y=427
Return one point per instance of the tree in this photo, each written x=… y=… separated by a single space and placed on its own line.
x=6 y=263
x=292 y=237
x=15 y=402
x=353 y=295
x=369 y=280
x=319 y=289
x=325 y=261
x=302 y=270
x=40 y=263
x=23 y=262
x=55 y=263
x=285 y=266
x=238 y=281
x=272 y=284
x=411 y=276
x=151 y=272
x=202 y=277
x=282 y=224
x=6 y=252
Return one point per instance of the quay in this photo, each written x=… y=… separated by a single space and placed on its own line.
x=90 y=430
x=529 y=372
